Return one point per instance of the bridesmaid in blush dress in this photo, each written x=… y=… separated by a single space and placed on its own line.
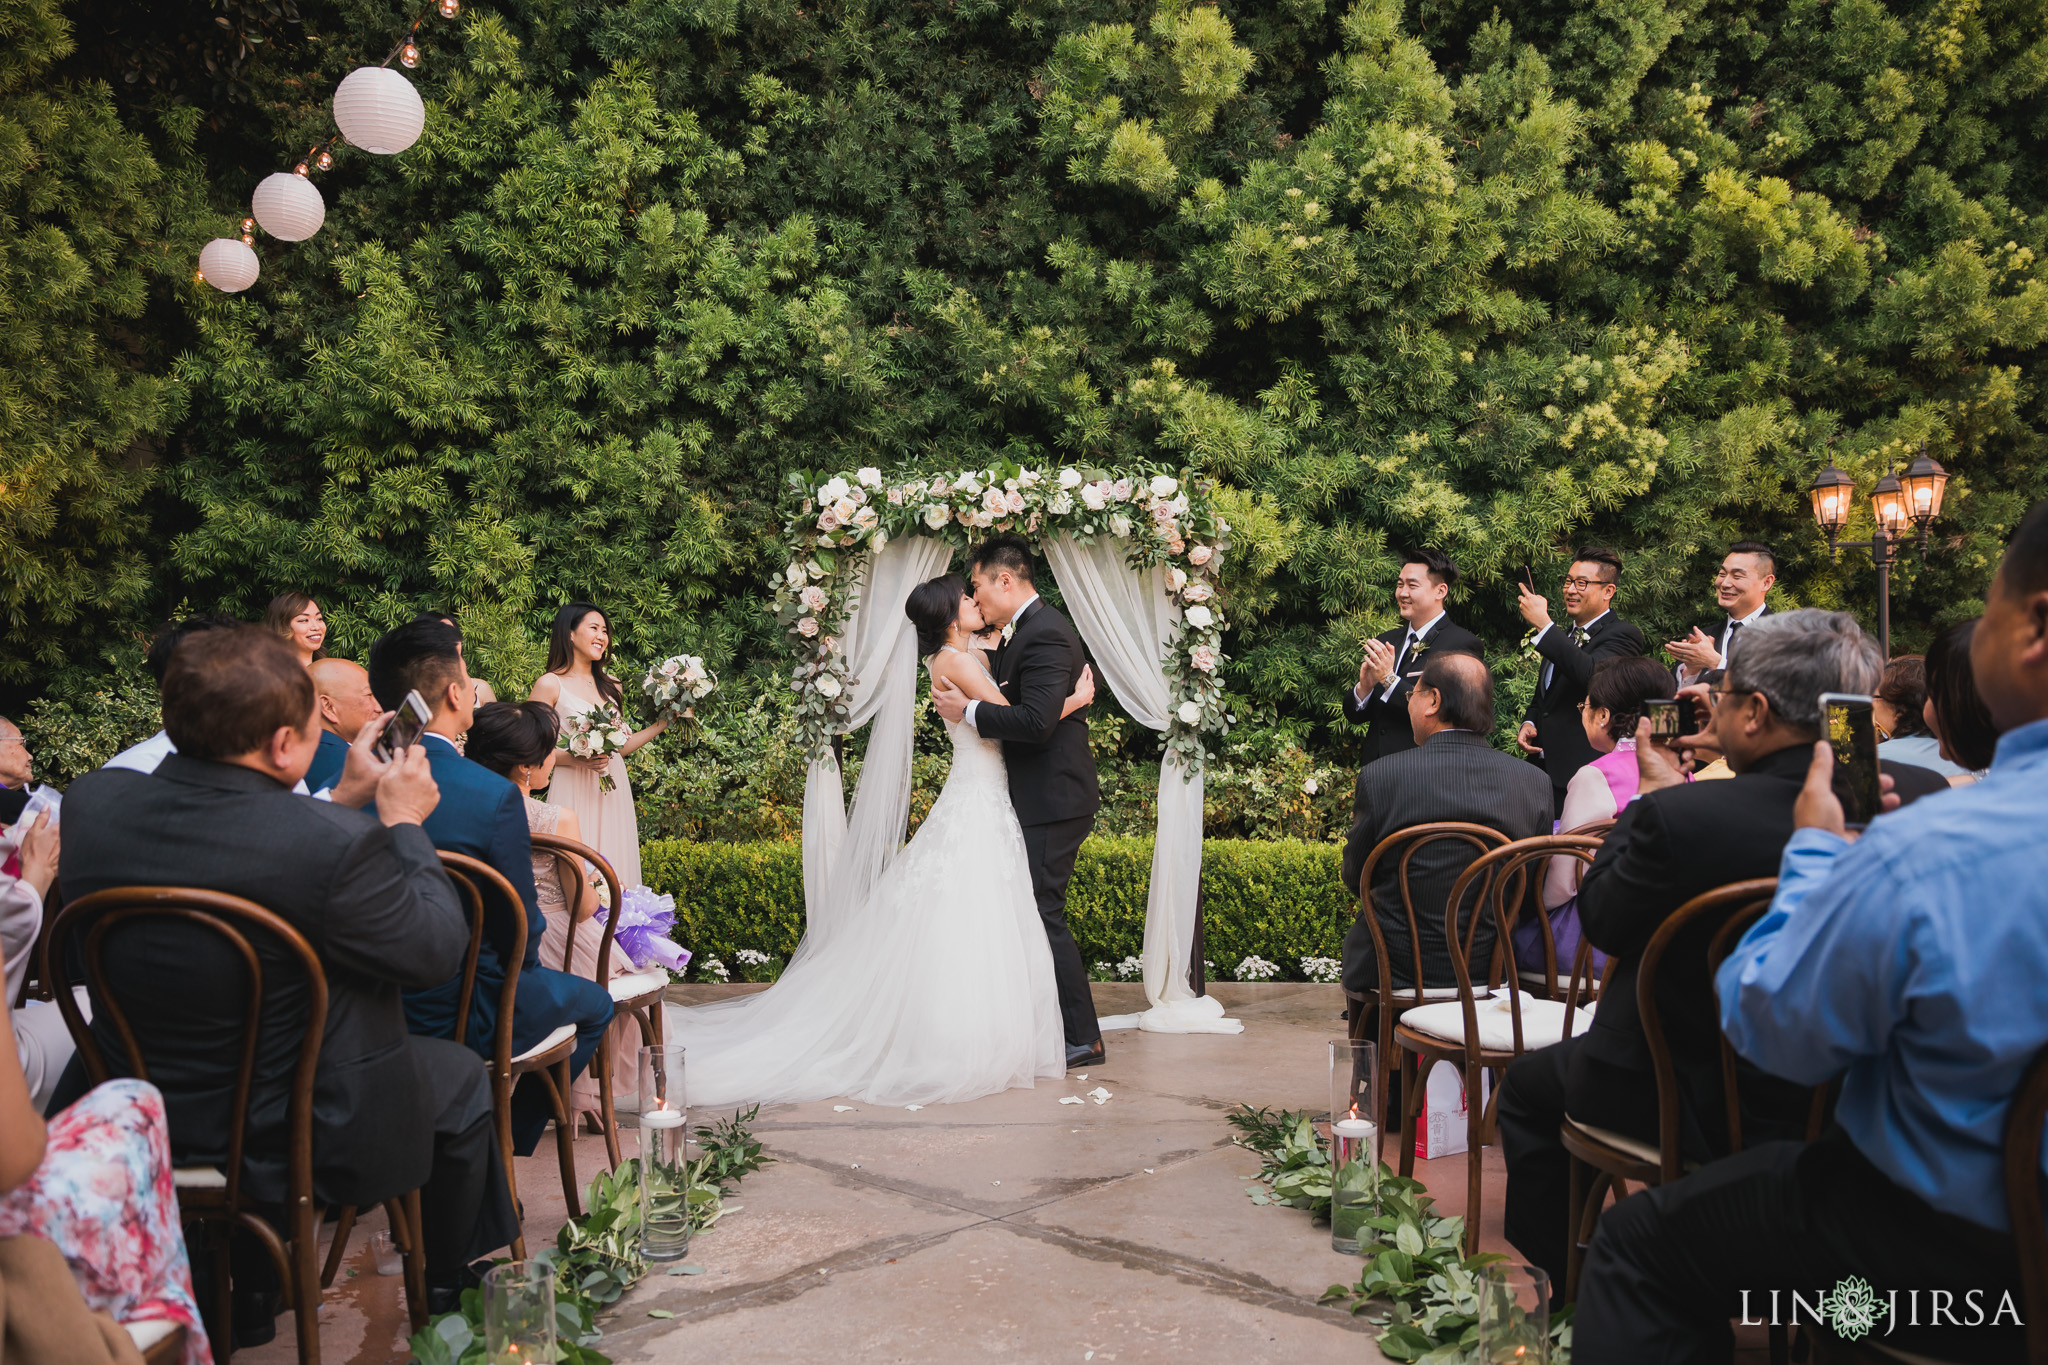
x=576 y=682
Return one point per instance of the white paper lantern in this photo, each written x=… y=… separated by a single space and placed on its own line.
x=378 y=110
x=228 y=264
x=288 y=206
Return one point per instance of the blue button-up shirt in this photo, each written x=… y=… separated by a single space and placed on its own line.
x=1917 y=959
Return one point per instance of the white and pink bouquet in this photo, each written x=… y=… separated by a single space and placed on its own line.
x=597 y=733
x=677 y=684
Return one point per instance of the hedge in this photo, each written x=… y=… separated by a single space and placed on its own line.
x=1279 y=900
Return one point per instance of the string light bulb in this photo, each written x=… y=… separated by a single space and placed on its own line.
x=450 y=8
x=302 y=169
x=248 y=226
x=409 y=55
x=326 y=161
x=248 y=239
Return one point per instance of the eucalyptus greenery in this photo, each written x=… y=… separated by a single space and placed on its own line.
x=1424 y=1290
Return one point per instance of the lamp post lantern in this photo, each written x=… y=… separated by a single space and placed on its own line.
x=1895 y=503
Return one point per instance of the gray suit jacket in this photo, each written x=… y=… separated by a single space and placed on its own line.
x=375 y=906
x=1456 y=775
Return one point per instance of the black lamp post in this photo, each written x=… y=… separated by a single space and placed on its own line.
x=1894 y=502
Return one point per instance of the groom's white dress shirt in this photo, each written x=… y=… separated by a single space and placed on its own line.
x=1415 y=633
x=967 y=718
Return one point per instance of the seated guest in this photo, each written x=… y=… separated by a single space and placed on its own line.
x=143 y=756
x=1900 y=707
x=1615 y=698
x=484 y=816
x=1453 y=774
x=89 y=1235
x=28 y=865
x=1954 y=711
x=518 y=743
x=392 y=1112
x=17 y=771
x=342 y=687
x=1906 y=959
x=1675 y=841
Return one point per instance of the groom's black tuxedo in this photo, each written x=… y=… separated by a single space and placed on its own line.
x=1052 y=782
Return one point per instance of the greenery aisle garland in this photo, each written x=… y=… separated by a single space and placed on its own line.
x=1413 y=1257
x=1166 y=518
x=597 y=1257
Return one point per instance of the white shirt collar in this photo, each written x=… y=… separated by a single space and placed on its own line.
x=1018 y=614
x=1595 y=621
x=1745 y=620
x=1423 y=630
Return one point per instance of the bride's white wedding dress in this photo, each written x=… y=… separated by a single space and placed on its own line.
x=939 y=988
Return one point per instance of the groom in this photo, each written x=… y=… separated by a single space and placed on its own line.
x=1052 y=773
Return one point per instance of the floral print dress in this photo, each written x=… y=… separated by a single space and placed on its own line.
x=103 y=1195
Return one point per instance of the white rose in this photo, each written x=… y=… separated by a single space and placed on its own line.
x=1164 y=485
x=1310 y=787
x=794 y=575
x=1070 y=477
x=834 y=490
x=866 y=518
x=814 y=568
x=870 y=476
x=1119 y=525
x=968 y=484
x=845 y=508
x=1060 y=503
x=1190 y=713
x=1176 y=579
x=1016 y=503
x=1092 y=499
x=1121 y=490
x=996 y=501
x=896 y=497
x=1028 y=478
x=879 y=541
x=619 y=738
x=1199 y=618
x=935 y=517
x=828 y=686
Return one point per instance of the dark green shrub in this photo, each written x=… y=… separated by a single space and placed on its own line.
x=1278 y=900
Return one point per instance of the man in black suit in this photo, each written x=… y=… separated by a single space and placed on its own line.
x=1454 y=774
x=1552 y=728
x=1676 y=840
x=1393 y=658
x=1052 y=772
x=1744 y=580
x=391 y=1112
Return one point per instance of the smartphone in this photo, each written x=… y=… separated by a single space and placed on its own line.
x=405 y=727
x=1528 y=577
x=1671 y=718
x=1852 y=734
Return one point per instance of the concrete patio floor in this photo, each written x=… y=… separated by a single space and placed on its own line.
x=1014 y=1227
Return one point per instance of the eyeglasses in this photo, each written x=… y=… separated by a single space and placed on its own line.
x=13 y=739
x=1584 y=583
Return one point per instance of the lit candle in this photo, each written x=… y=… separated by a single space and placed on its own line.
x=1354 y=1128
x=663 y=1117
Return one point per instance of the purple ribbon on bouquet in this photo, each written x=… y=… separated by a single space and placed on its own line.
x=643 y=933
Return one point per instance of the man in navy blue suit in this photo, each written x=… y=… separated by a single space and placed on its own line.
x=481 y=814
x=342 y=687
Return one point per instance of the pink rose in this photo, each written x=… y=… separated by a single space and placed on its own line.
x=940 y=488
x=813 y=598
x=1015 y=502
x=1175 y=544
x=807 y=627
x=1120 y=491
x=1199 y=555
x=827 y=520
x=896 y=497
x=1203 y=658
x=1197 y=591
x=995 y=501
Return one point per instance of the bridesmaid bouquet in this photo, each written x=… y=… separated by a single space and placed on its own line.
x=645 y=923
x=597 y=733
x=677 y=684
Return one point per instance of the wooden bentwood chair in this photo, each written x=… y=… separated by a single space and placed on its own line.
x=1375 y=1011
x=213 y=1195
x=637 y=995
x=1492 y=1020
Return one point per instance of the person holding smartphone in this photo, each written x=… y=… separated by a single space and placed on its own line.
x=1551 y=728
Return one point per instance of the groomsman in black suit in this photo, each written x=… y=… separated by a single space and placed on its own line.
x=1745 y=578
x=1393 y=658
x=1551 y=728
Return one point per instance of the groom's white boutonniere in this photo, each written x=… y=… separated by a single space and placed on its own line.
x=1009 y=629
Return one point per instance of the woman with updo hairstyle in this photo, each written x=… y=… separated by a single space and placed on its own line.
x=517 y=741
x=1616 y=698
x=950 y=635
x=295 y=618
x=1954 y=711
x=1900 y=709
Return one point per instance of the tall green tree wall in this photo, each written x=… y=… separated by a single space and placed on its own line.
x=1498 y=279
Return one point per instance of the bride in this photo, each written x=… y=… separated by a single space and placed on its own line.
x=940 y=988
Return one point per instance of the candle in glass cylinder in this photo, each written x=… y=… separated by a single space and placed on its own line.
x=670 y=1118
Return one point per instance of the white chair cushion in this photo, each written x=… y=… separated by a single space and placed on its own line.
x=148 y=1334
x=199 y=1178
x=639 y=983
x=1542 y=1022
x=1402 y=995
x=1563 y=982
x=1635 y=1147
x=554 y=1039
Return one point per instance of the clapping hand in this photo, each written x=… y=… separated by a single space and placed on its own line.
x=1818 y=807
x=949 y=701
x=1696 y=651
x=1377 y=668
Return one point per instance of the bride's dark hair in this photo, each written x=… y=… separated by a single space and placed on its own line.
x=933 y=606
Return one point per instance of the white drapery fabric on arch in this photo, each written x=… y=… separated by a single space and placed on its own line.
x=1127 y=618
x=844 y=857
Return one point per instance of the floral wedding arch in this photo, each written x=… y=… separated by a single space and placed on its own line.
x=1136 y=552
